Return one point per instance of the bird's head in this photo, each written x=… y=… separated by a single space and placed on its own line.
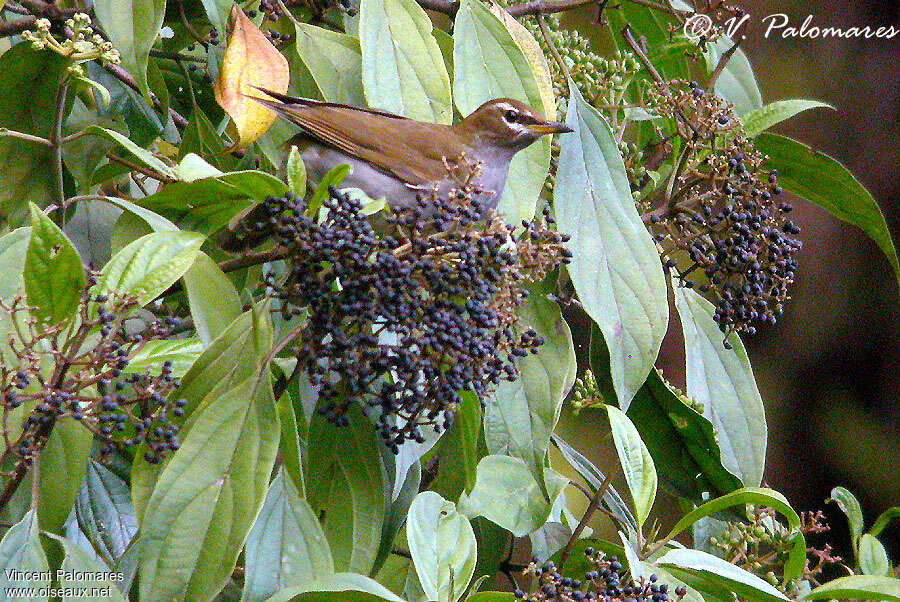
x=509 y=124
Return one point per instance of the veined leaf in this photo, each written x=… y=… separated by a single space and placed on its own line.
x=761 y=119
x=213 y=300
x=873 y=558
x=104 y=512
x=711 y=575
x=722 y=380
x=615 y=268
x=286 y=546
x=334 y=60
x=637 y=465
x=341 y=587
x=818 y=178
x=82 y=572
x=488 y=64
x=736 y=83
x=132 y=27
x=54 y=275
x=442 y=545
x=851 y=508
x=20 y=550
x=402 y=68
x=858 y=587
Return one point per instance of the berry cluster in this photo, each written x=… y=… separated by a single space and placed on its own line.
x=722 y=219
x=404 y=317
x=605 y=582
x=82 y=371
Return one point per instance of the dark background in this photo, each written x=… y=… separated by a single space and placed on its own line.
x=829 y=371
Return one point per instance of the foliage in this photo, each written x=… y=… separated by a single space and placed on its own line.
x=250 y=382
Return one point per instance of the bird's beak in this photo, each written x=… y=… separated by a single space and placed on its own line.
x=550 y=127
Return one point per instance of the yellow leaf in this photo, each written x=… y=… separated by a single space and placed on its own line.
x=533 y=54
x=250 y=61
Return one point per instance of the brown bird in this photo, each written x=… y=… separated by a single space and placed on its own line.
x=399 y=158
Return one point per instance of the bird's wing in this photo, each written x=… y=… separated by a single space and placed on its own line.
x=386 y=147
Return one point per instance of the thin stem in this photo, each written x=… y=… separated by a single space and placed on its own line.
x=252 y=259
x=545 y=32
x=723 y=61
x=56 y=140
x=126 y=78
x=591 y=509
x=36 y=481
x=176 y=56
x=7 y=133
x=143 y=170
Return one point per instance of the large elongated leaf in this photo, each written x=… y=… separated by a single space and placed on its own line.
x=28 y=169
x=335 y=62
x=150 y=265
x=681 y=441
x=54 y=276
x=710 y=574
x=81 y=572
x=13 y=248
x=346 y=481
x=104 y=512
x=822 y=180
x=22 y=559
x=132 y=27
x=458 y=450
x=615 y=268
x=442 y=546
x=213 y=300
x=63 y=464
x=637 y=465
x=488 y=64
x=214 y=484
x=402 y=67
x=207 y=204
x=858 y=587
x=506 y=493
x=142 y=155
x=181 y=352
x=286 y=546
x=722 y=380
x=851 y=508
x=521 y=415
x=761 y=119
x=341 y=587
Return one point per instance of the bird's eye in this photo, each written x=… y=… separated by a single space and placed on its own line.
x=511 y=116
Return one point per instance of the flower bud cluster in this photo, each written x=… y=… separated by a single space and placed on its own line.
x=606 y=582
x=80 y=369
x=84 y=45
x=403 y=318
x=723 y=226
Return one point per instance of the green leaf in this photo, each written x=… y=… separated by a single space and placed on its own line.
x=711 y=575
x=20 y=550
x=181 y=352
x=884 y=520
x=759 y=496
x=615 y=268
x=142 y=155
x=63 y=465
x=340 y=587
x=213 y=300
x=637 y=465
x=346 y=481
x=488 y=64
x=104 y=512
x=594 y=478
x=507 y=494
x=736 y=83
x=722 y=380
x=857 y=587
x=335 y=62
x=214 y=485
x=296 y=173
x=154 y=221
x=207 y=204
x=132 y=27
x=442 y=545
x=150 y=265
x=218 y=12
x=521 y=415
x=681 y=441
x=397 y=511
x=286 y=546
x=849 y=505
x=82 y=572
x=402 y=68
x=458 y=450
x=13 y=248
x=54 y=276
x=28 y=168
x=491 y=597
x=873 y=558
x=818 y=178
x=761 y=119
x=222 y=365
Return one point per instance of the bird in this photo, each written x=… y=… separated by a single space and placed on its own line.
x=399 y=159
